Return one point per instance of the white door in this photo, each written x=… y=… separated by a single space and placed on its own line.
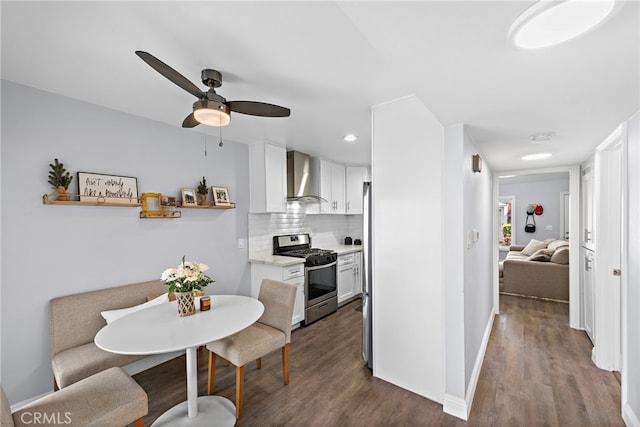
x=607 y=228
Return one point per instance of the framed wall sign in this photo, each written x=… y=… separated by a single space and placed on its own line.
x=221 y=196
x=96 y=187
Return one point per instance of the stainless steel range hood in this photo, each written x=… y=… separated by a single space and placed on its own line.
x=299 y=178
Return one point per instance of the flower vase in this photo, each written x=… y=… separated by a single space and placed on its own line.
x=202 y=200
x=186 y=303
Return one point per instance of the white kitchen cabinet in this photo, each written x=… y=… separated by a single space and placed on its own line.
x=355 y=177
x=328 y=181
x=268 y=180
x=349 y=276
x=293 y=274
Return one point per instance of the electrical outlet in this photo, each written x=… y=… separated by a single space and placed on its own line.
x=549 y=227
x=241 y=243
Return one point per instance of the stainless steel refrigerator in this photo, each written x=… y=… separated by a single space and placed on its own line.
x=367 y=291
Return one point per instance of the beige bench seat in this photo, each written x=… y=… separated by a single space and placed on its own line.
x=74 y=322
x=109 y=398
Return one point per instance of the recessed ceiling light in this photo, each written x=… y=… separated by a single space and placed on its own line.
x=541 y=137
x=350 y=137
x=551 y=22
x=537 y=156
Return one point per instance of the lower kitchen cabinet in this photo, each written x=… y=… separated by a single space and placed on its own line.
x=293 y=274
x=349 y=276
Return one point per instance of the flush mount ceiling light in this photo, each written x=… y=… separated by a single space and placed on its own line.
x=541 y=137
x=537 y=156
x=350 y=137
x=551 y=22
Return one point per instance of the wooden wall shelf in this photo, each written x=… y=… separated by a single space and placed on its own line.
x=233 y=206
x=47 y=199
x=165 y=215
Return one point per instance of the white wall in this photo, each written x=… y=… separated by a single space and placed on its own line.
x=468 y=206
x=631 y=279
x=539 y=191
x=407 y=170
x=49 y=251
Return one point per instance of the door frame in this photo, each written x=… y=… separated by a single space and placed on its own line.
x=563 y=230
x=574 y=230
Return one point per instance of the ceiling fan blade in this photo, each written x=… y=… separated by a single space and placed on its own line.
x=171 y=74
x=190 y=121
x=258 y=109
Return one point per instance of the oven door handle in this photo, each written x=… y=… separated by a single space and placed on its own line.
x=322 y=266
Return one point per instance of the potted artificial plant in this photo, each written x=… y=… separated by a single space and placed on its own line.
x=506 y=234
x=202 y=191
x=60 y=179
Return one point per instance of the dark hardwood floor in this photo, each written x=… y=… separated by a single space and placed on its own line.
x=537 y=371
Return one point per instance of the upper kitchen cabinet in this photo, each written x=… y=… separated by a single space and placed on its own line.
x=356 y=176
x=268 y=169
x=328 y=181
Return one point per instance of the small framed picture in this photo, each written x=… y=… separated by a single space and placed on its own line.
x=167 y=201
x=221 y=196
x=189 y=197
x=151 y=204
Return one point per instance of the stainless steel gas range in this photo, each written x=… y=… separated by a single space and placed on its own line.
x=320 y=274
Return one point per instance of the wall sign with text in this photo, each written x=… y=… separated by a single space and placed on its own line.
x=95 y=187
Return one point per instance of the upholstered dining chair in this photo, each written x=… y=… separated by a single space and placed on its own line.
x=271 y=332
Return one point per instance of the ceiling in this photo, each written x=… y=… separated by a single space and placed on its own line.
x=329 y=62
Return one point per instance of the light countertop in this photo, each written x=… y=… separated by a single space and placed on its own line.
x=286 y=261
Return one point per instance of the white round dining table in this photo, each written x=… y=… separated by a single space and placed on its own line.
x=159 y=329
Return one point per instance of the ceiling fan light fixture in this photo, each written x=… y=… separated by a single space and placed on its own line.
x=211 y=113
x=551 y=22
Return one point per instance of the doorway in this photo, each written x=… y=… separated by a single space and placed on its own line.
x=546 y=230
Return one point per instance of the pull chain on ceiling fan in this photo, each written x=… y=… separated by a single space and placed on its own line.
x=211 y=109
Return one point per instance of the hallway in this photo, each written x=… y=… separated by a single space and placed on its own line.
x=537 y=371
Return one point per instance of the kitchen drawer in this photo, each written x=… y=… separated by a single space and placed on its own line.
x=345 y=259
x=292 y=272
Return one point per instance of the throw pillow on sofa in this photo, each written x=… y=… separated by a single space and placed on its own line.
x=533 y=246
x=561 y=255
x=557 y=244
x=543 y=255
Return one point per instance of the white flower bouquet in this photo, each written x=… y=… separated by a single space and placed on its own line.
x=187 y=277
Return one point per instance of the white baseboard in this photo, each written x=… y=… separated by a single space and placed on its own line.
x=629 y=417
x=150 y=361
x=457 y=406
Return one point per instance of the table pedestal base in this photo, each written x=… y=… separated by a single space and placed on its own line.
x=212 y=411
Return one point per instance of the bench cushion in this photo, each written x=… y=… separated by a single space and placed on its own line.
x=74 y=364
x=109 y=398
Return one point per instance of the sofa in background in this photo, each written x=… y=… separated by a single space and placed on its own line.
x=539 y=269
x=76 y=319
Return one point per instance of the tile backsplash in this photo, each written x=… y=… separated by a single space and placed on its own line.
x=326 y=230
